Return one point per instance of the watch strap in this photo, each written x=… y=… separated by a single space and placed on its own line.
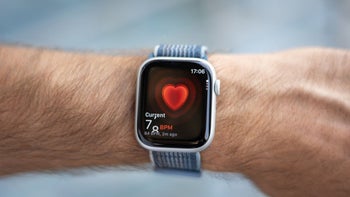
x=178 y=160
x=180 y=50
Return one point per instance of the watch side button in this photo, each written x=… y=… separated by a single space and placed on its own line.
x=217 y=87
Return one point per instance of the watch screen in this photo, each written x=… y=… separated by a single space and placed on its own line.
x=174 y=104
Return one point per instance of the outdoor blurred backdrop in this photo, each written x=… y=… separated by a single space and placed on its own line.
x=237 y=26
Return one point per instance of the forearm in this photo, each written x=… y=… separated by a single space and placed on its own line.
x=61 y=110
x=287 y=121
x=282 y=119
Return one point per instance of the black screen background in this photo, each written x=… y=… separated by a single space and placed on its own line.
x=192 y=121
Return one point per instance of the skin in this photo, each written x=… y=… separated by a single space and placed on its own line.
x=283 y=119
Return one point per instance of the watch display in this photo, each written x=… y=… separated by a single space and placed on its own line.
x=174 y=104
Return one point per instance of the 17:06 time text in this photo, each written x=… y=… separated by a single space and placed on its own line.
x=198 y=71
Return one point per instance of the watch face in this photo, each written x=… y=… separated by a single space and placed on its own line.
x=174 y=105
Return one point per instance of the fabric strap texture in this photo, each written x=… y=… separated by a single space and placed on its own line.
x=178 y=160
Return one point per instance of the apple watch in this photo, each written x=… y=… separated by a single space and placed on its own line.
x=175 y=105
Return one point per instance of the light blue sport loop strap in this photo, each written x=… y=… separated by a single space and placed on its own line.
x=179 y=50
x=178 y=160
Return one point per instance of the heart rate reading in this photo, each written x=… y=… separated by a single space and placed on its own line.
x=159 y=130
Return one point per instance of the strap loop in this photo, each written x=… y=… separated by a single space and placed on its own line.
x=178 y=160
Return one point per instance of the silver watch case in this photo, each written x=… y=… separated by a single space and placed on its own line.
x=215 y=91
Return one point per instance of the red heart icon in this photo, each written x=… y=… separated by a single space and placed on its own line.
x=175 y=96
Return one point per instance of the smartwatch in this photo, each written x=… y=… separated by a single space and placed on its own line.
x=175 y=105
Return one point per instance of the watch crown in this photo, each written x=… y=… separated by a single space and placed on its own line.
x=217 y=87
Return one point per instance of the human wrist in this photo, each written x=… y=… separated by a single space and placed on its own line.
x=72 y=110
x=105 y=91
x=289 y=115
